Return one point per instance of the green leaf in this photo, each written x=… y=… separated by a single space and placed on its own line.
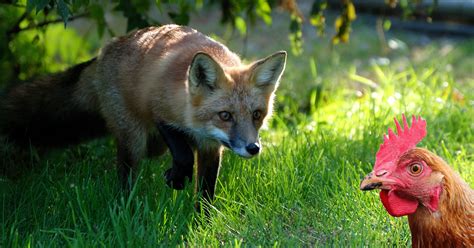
x=313 y=67
x=30 y=5
x=199 y=4
x=135 y=19
x=296 y=35
x=240 y=25
x=63 y=11
x=41 y=4
x=141 y=6
x=363 y=80
x=317 y=18
x=387 y=24
x=76 y=5
x=351 y=12
x=263 y=10
x=97 y=13
x=318 y=7
x=295 y=25
x=180 y=19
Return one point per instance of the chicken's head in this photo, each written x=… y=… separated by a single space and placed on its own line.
x=405 y=173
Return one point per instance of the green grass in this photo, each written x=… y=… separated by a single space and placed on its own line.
x=331 y=112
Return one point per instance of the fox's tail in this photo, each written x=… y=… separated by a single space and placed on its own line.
x=46 y=112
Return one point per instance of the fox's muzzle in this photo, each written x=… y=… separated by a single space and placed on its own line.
x=244 y=139
x=245 y=150
x=253 y=148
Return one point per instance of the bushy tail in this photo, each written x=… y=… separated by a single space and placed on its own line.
x=46 y=113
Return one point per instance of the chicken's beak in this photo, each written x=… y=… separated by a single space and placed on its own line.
x=371 y=182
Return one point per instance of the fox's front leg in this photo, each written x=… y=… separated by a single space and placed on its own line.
x=156 y=146
x=209 y=161
x=183 y=156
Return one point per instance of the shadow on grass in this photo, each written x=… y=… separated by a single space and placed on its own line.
x=72 y=197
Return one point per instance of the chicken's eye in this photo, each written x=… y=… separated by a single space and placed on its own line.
x=225 y=116
x=415 y=169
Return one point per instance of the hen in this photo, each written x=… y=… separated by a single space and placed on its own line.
x=417 y=183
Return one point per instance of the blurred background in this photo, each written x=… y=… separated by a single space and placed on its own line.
x=335 y=40
x=41 y=36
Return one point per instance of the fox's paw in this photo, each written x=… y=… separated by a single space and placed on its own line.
x=177 y=179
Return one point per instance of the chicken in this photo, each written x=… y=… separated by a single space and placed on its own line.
x=417 y=183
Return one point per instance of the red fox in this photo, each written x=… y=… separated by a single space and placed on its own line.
x=167 y=86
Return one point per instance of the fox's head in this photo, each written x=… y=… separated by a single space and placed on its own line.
x=230 y=104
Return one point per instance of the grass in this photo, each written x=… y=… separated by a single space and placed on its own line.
x=331 y=112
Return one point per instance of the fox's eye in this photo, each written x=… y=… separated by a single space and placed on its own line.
x=225 y=116
x=257 y=114
x=415 y=169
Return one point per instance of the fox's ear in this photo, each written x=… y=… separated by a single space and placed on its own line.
x=203 y=72
x=268 y=71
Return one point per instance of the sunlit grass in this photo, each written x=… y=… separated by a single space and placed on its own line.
x=303 y=189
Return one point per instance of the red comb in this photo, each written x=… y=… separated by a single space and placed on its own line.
x=395 y=145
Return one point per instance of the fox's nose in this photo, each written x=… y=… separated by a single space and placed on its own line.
x=253 y=148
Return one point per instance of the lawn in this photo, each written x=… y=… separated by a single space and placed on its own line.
x=333 y=107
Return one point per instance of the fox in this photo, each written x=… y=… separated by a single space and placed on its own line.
x=155 y=89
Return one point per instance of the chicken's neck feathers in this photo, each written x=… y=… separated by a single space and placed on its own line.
x=453 y=223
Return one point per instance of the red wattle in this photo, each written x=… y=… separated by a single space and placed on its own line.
x=397 y=206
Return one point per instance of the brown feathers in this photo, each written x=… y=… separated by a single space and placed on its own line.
x=453 y=224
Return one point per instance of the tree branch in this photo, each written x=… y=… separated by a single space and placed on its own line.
x=18 y=5
x=17 y=23
x=16 y=29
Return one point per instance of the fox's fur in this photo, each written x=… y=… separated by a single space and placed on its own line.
x=45 y=113
x=168 y=84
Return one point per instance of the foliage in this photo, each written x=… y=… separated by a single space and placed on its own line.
x=343 y=22
x=24 y=22
x=24 y=41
